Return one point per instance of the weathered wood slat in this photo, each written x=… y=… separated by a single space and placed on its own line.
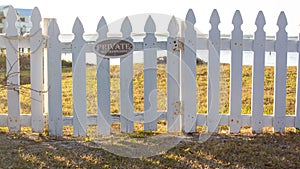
x=79 y=80
x=213 y=80
x=257 y=102
x=150 y=76
x=12 y=72
x=280 y=75
x=126 y=84
x=103 y=85
x=36 y=72
x=188 y=75
x=173 y=78
x=236 y=74
x=54 y=80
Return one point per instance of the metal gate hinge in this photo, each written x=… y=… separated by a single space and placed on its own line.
x=181 y=43
x=178 y=108
x=177 y=44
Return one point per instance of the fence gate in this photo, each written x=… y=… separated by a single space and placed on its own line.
x=105 y=49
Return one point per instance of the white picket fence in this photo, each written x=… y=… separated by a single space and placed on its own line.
x=181 y=87
x=12 y=42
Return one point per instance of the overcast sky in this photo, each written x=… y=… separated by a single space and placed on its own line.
x=90 y=11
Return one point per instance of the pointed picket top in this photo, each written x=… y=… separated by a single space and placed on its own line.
x=260 y=20
x=173 y=27
x=190 y=17
x=214 y=18
x=237 y=18
x=78 y=29
x=102 y=26
x=150 y=26
x=282 y=21
x=126 y=27
x=11 y=21
x=36 y=20
x=53 y=28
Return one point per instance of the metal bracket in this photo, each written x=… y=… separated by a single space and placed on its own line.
x=177 y=44
x=181 y=43
x=178 y=107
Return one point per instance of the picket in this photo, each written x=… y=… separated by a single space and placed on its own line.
x=79 y=80
x=173 y=78
x=12 y=72
x=280 y=75
x=54 y=80
x=188 y=74
x=236 y=74
x=213 y=80
x=103 y=85
x=150 y=73
x=36 y=72
x=126 y=84
x=257 y=102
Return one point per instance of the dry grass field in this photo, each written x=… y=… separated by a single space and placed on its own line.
x=221 y=150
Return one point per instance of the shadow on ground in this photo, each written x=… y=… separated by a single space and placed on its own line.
x=220 y=151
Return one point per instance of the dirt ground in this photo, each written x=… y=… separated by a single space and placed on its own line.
x=31 y=150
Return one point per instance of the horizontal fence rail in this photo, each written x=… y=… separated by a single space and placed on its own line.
x=201 y=44
x=181 y=67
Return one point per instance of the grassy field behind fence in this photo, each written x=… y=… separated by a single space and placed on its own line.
x=30 y=150
x=162 y=88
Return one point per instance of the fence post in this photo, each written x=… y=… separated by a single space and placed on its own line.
x=213 y=80
x=103 y=85
x=79 y=80
x=236 y=74
x=126 y=84
x=12 y=72
x=257 y=102
x=150 y=76
x=188 y=74
x=45 y=73
x=173 y=78
x=297 y=111
x=36 y=72
x=280 y=75
x=54 y=80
